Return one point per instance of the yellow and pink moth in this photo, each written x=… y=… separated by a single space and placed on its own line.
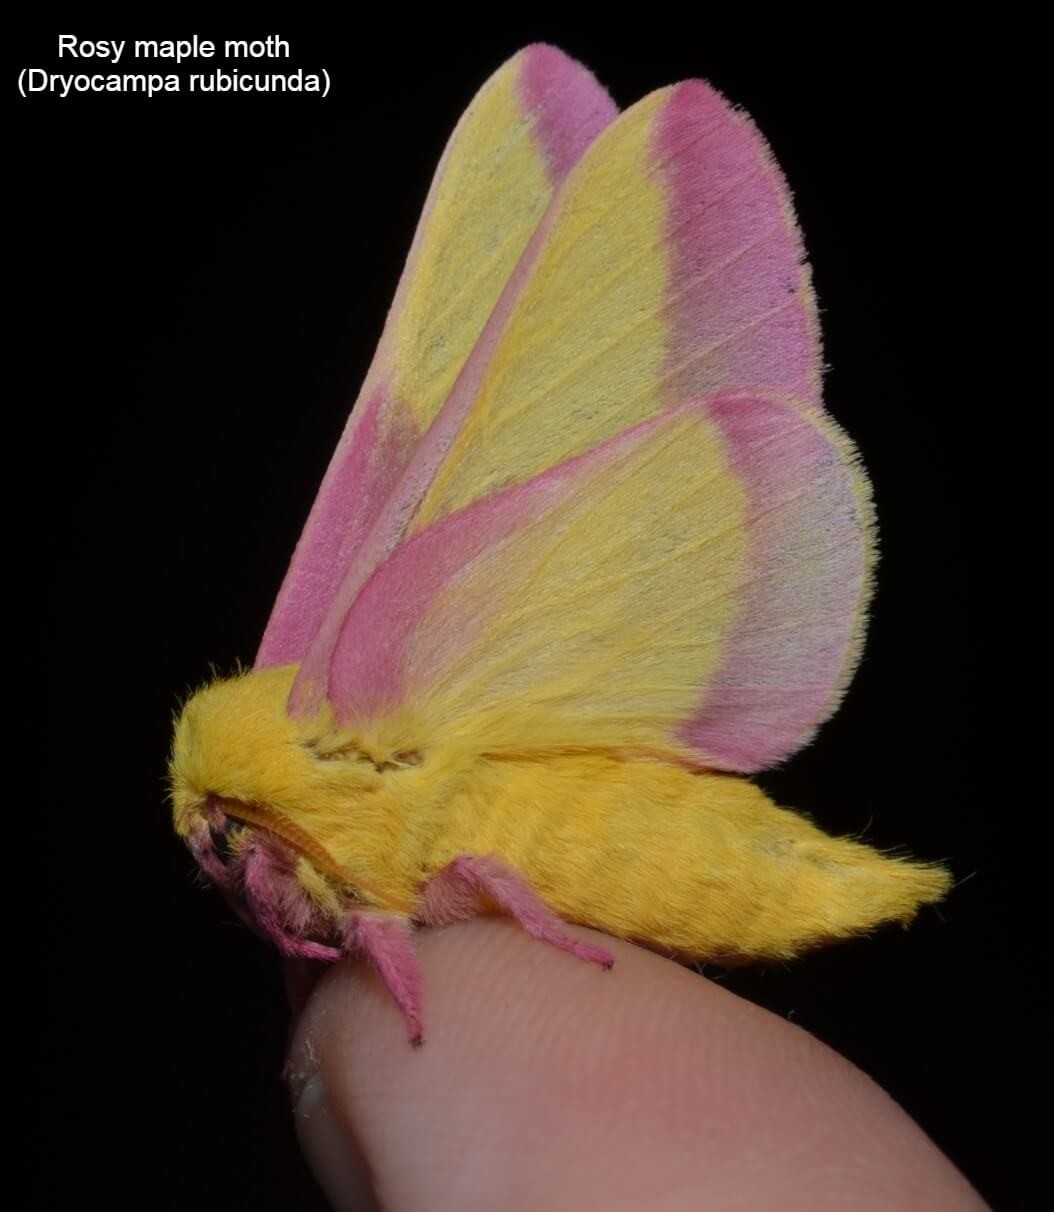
x=589 y=551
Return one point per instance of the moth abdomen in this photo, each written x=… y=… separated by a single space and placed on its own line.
x=702 y=865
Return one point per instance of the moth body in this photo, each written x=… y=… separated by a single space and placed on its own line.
x=700 y=864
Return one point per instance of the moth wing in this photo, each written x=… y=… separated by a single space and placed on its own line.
x=692 y=586
x=516 y=142
x=667 y=266
x=630 y=524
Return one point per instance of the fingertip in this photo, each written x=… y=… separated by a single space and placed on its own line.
x=547 y=1083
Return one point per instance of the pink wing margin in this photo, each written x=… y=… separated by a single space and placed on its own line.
x=568 y=108
x=739 y=295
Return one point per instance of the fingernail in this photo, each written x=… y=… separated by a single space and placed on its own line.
x=302 y=1060
x=332 y=1154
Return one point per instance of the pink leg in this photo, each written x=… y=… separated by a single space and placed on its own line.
x=385 y=939
x=279 y=906
x=453 y=894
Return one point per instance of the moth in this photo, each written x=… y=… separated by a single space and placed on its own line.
x=589 y=551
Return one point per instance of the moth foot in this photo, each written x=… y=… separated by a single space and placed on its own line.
x=586 y=951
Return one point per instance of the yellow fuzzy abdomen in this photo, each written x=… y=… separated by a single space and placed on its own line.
x=704 y=865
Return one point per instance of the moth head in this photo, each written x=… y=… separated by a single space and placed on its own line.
x=262 y=798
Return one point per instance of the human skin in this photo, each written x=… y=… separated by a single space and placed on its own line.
x=545 y=1082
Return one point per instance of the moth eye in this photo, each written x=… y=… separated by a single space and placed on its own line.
x=223 y=837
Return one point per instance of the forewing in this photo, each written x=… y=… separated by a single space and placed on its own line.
x=514 y=145
x=692 y=586
x=668 y=265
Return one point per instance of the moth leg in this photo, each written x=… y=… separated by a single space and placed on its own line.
x=385 y=938
x=278 y=905
x=454 y=894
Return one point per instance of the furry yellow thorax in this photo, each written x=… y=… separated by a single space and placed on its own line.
x=326 y=791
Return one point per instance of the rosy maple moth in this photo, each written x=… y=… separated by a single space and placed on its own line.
x=589 y=551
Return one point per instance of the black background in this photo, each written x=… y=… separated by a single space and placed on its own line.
x=202 y=283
